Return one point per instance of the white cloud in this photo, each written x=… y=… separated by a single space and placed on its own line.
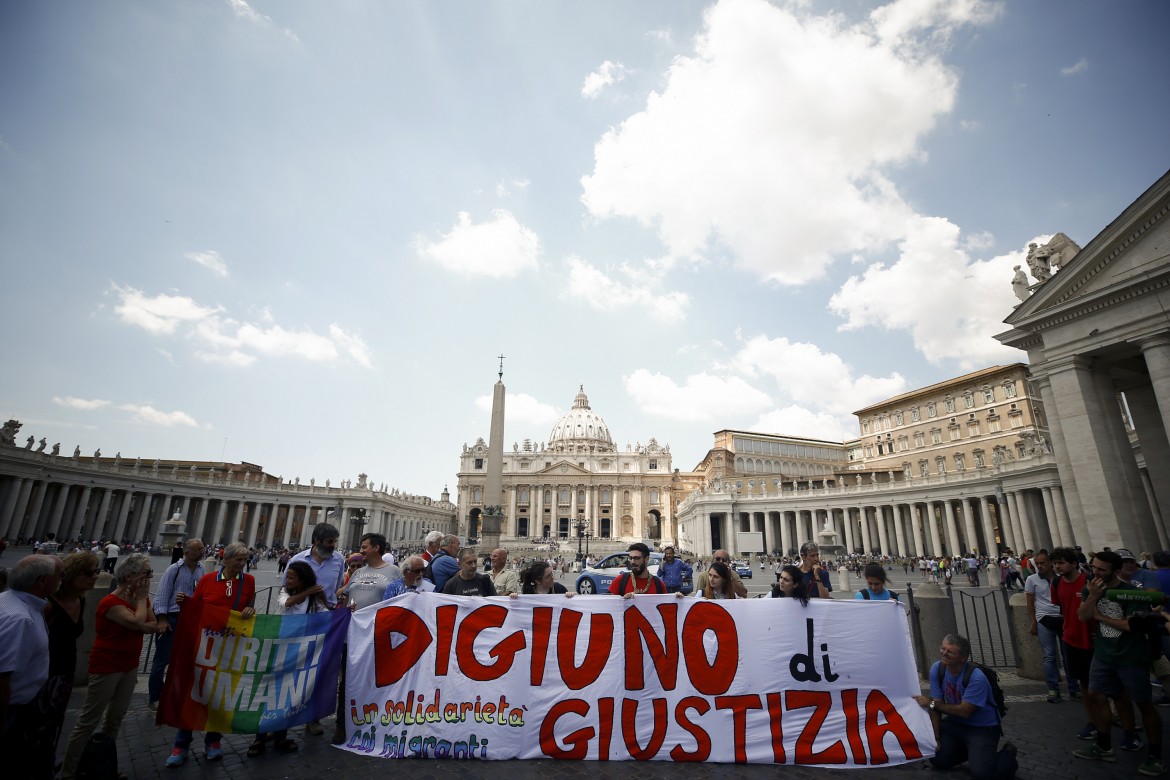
x=963 y=309
x=1080 y=67
x=502 y=187
x=522 y=409
x=772 y=138
x=704 y=396
x=166 y=355
x=209 y=260
x=812 y=378
x=244 y=11
x=159 y=314
x=500 y=248
x=599 y=290
x=799 y=421
x=152 y=416
x=609 y=73
x=80 y=403
x=222 y=339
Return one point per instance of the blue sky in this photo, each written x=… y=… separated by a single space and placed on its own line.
x=298 y=233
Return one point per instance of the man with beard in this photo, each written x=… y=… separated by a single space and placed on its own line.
x=412 y=580
x=468 y=581
x=329 y=566
x=674 y=571
x=638 y=579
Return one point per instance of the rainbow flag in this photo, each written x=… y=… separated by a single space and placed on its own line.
x=255 y=675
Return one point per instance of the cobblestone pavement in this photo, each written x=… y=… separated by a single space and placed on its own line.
x=1043 y=733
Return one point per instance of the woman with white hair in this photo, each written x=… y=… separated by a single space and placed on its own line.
x=228 y=587
x=123 y=617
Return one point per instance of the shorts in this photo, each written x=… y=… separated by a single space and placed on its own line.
x=1114 y=680
x=1079 y=661
x=1160 y=667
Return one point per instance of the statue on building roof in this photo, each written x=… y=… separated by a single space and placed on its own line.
x=97 y=453
x=56 y=450
x=41 y=444
x=1020 y=284
x=9 y=431
x=77 y=452
x=28 y=444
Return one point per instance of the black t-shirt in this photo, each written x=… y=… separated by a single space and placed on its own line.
x=481 y=585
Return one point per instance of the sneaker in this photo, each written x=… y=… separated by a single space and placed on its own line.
x=1088 y=732
x=1152 y=767
x=1131 y=742
x=177 y=758
x=338 y=736
x=1095 y=753
x=1075 y=695
x=152 y=706
x=1162 y=701
x=315 y=728
x=1053 y=696
x=214 y=752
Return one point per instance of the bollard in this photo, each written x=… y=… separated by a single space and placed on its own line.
x=936 y=619
x=1029 y=657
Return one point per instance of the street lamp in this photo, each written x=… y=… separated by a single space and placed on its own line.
x=358 y=518
x=580 y=537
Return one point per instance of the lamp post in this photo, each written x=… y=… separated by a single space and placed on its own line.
x=588 y=536
x=580 y=537
x=357 y=517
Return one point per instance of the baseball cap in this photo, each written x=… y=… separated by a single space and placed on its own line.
x=1126 y=555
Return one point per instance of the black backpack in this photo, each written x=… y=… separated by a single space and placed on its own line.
x=429 y=571
x=997 y=696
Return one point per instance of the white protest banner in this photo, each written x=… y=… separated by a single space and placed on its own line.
x=653 y=677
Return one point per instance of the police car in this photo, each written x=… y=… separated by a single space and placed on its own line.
x=743 y=569
x=596 y=578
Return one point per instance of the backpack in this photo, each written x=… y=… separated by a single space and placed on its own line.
x=893 y=595
x=655 y=586
x=997 y=697
x=429 y=571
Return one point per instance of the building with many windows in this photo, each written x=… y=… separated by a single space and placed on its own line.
x=578 y=482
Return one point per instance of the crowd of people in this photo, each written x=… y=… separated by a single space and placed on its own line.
x=1098 y=638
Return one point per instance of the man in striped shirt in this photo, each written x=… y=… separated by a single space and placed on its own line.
x=176 y=584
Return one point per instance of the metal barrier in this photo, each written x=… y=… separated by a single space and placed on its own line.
x=986 y=621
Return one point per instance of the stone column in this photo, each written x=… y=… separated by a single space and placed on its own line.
x=1023 y=521
x=273 y=518
x=80 y=512
x=907 y=513
x=879 y=517
x=847 y=522
x=58 y=513
x=954 y=546
x=1156 y=351
x=1006 y=523
x=123 y=515
x=512 y=519
x=1148 y=421
x=8 y=512
x=38 y=501
x=217 y=524
x=138 y=526
x=863 y=517
x=1050 y=511
x=198 y=529
x=931 y=522
x=991 y=546
x=1062 y=519
x=899 y=533
x=969 y=527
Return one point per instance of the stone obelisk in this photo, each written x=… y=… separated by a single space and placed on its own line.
x=493 y=492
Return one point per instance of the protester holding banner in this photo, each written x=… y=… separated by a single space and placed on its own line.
x=412 y=580
x=66 y=622
x=123 y=617
x=539 y=579
x=790 y=584
x=639 y=579
x=301 y=595
x=719 y=585
x=230 y=587
x=816 y=577
x=467 y=581
x=177 y=583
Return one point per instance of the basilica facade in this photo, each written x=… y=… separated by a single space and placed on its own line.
x=577 y=483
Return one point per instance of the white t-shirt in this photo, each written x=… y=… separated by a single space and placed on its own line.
x=112 y=550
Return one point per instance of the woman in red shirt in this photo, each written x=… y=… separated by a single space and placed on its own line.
x=228 y=587
x=122 y=618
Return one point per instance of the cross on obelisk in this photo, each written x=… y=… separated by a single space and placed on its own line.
x=501 y=366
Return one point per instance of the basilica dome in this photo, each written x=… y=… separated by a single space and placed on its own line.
x=580 y=428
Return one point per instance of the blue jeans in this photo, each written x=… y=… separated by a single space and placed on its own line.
x=1050 y=646
x=978 y=746
x=183 y=738
x=162 y=657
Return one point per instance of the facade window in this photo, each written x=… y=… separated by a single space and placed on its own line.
x=993 y=424
x=606 y=496
x=580 y=498
x=522 y=496
x=979 y=460
x=989 y=395
x=960 y=462
x=954 y=429
x=923 y=468
x=548 y=498
x=626 y=497
x=1020 y=450
x=885 y=423
x=919 y=439
x=932 y=409
x=653 y=496
x=898 y=419
x=479 y=464
x=868 y=451
x=915 y=415
x=936 y=435
x=1017 y=419
x=653 y=464
x=476 y=495
x=940 y=465
x=906 y=472
x=973 y=428
x=865 y=426
x=1009 y=389
x=969 y=401
x=626 y=467
x=903 y=443
x=563 y=497
x=949 y=405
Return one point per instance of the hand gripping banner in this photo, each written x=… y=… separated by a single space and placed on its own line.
x=255 y=675
x=653 y=677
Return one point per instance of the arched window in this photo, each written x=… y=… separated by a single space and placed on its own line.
x=476 y=495
x=564 y=495
x=606 y=496
x=522 y=496
x=653 y=496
